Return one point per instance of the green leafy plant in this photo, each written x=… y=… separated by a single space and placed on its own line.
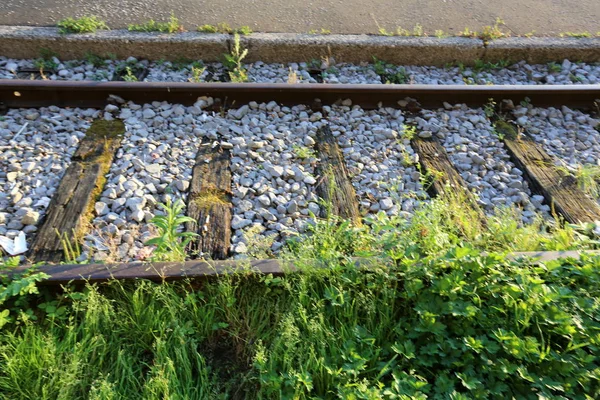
x=172 y=26
x=321 y=31
x=171 y=243
x=15 y=289
x=493 y=32
x=577 y=35
x=233 y=61
x=586 y=175
x=224 y=28
x=481 y=65
x=129 y=76
x=197 y=74
x=440 y=34
x=71 y=248
x=389 y=73
x=85 y=24
x=303 y=152
x=409 y=132
x=95 y=59
x=554 y=67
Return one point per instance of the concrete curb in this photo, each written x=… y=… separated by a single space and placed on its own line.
x=27 y=41
x=287 y=47
x=543 y=50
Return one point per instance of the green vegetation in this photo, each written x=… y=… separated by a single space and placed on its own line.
x=488 y=33
x=129 y=76
x=429 y=316
x=416 y=31
x=223 y=27
x=587 y=177
x=440 y=34
x=578 y=35
x=233 y=61
x=95 y=59
x=172 y=26
x=321 y=31
x=481 y=65
x=197 y=74
x=303 y=152
x=45 y=63
x=171 y=243
x=85 y=24
x=554 y=67
x=389 y=73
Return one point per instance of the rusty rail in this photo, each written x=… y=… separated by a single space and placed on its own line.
x=203 y=269
x=26 y=93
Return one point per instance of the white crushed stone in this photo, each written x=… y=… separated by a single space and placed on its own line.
x=571 y=136
x=567 y=72
x=36 y=146
x=380 y=161
x=155 y=161
x=481 y=159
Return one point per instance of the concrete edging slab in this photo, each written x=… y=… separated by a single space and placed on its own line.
x=27 y=41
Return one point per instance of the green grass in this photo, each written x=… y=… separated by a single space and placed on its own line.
x=578 y=35
x=457 y=325
x=171 y=26
x=232 y=61
x=223 y=27
x=431 y=317
x=389 y=73
x=85 y=24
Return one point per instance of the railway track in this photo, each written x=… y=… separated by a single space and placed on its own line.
x=260 y=156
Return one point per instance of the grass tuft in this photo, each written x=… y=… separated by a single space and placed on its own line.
x=172 y=26
x=85 y=24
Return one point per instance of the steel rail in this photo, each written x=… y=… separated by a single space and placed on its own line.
x=27 y=93
x=204 y=269
x=34 y=93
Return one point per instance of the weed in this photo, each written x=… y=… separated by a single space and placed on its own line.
x=481 y=65
x=129 y=75
x=488 y=33
x=71 y=248
x=529 y=34
x=171 y=243
x=85 y=24
x=587 y=177
x=554 y=67
x=172 y=26
x=575 y=78
x=94 y=59
x=409 y=132
x=490 y=108
x=440 y=34
x=390 y=74
x=211 y=29
x=493 y=32
x=468 y=33
x=577 y=35
x=321 y=31
x=224 y=28
x=243 y=30
x=233 y=61
x=303 y=152
x=197 y=74
x=292 y=76
x=259 y=246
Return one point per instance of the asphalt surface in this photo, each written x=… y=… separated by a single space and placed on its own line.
x=543 y=17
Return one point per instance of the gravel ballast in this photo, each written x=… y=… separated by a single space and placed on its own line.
x=36 y=146
x=481 y=159
x=313 y=71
